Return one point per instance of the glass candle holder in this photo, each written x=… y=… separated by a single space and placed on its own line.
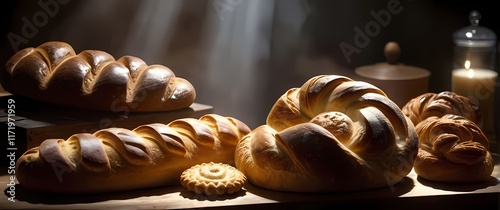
x=474 y=71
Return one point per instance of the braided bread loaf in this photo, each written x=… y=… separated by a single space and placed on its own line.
x=440 y=104
x=93 y=79
x=117 y=159
x=452 y=149
x=332 y=134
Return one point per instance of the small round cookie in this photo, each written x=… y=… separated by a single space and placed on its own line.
x=213 y=179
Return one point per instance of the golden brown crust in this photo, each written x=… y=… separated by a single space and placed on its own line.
x=93 y=79
x=332 y=134
x=117 y=159
x=213 y=179
x=452 y=149
x=439 y=104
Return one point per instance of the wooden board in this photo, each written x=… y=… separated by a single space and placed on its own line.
x=412 y=193
x=35 y=121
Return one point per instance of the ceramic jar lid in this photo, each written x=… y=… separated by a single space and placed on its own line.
x=392 y=70
x=400 y=82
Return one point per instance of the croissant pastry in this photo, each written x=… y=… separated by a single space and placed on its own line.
x=440 y=104
x=452 y=149
x=117 y=159
x=93 y=79
x=332 y=134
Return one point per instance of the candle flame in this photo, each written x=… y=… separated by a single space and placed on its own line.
x=470 y=73
x=467 y=64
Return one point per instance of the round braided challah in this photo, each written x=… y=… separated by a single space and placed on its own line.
x=332 y=134
x=452 y=149
x=452 y=146
x=439 y=104
x=93 y=79
x=118 y=159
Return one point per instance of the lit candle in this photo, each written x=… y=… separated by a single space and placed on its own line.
x=478 y=85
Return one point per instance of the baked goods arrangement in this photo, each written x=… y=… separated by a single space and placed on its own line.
x=452 y=147
x=213 y=179
x=93 y=79
x=117 y=159
x=332 y=134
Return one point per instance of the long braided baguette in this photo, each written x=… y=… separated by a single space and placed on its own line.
x=332 y=134
x=117 y=159
x=93 y=79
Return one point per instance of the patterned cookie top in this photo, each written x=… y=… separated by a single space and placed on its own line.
x=213 y=179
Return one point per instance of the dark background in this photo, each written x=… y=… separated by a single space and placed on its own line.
x=242 y=55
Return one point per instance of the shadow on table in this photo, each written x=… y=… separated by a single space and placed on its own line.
x=29 y=196
x=459 y=187
x=199 y=197
x=406 y=185
x=26 y=195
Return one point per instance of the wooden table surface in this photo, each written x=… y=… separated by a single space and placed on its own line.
x=412 y=193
